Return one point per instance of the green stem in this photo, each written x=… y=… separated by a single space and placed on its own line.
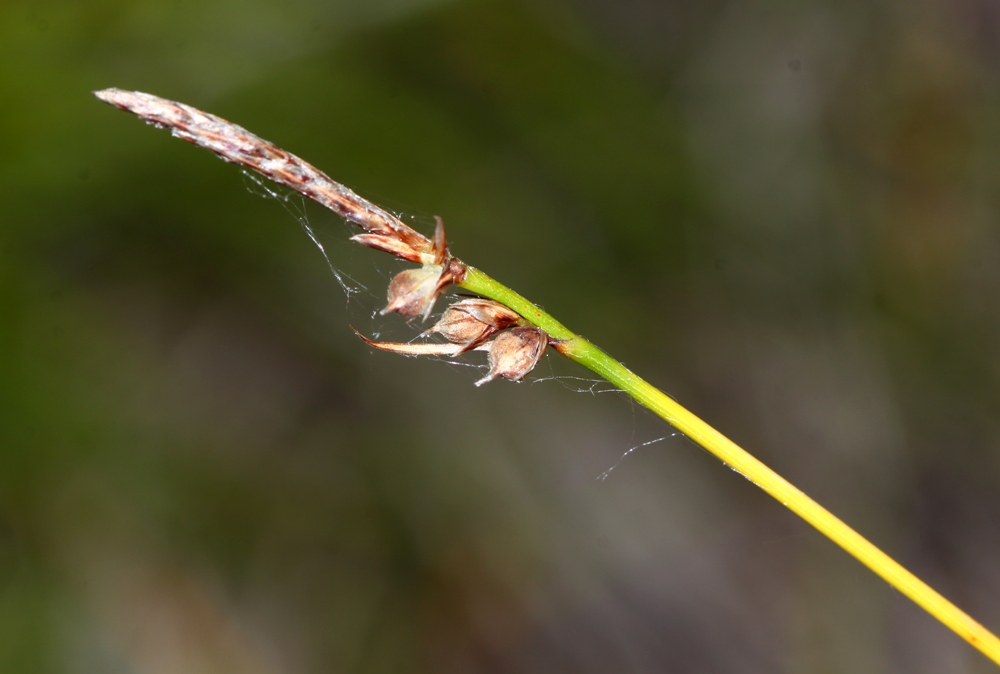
x=582 y=351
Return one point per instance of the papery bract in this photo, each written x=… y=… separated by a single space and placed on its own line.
x=472 y=321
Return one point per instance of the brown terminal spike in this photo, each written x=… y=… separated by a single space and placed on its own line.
x=235 y=144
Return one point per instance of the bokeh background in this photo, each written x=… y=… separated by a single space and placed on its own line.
x=784 y=214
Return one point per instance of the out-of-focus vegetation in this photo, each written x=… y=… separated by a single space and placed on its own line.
x=785 y=214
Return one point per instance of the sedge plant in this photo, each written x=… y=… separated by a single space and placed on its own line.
x=513 y=331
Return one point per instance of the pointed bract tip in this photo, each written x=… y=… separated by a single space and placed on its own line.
x=412 y=349
x=112 y=95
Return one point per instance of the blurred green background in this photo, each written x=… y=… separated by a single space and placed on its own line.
x=784 y=214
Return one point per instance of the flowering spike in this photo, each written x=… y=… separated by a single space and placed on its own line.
x=235 y=144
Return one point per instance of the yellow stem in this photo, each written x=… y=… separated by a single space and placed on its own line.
x=582 y=351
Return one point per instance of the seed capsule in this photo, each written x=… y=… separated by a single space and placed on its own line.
x=412 y=292
x=515 y=353
x=471 y=322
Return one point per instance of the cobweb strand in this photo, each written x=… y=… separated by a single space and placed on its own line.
x=294 y=205
x=604 y=476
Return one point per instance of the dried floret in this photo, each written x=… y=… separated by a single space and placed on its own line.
x=515 y=353
x=470 y=322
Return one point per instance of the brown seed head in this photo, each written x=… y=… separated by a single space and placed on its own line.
x=383 y=230
x=515 y=353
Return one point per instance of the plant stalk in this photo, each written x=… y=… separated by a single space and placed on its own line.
x=384 y=231
x=590 y=356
